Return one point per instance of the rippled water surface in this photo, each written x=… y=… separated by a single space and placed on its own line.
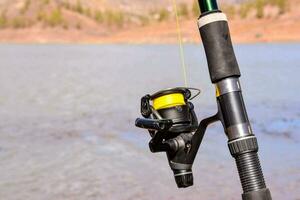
x=67 y=117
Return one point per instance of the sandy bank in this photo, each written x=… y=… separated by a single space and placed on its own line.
x=281 y=29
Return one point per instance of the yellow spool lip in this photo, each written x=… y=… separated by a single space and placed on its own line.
x=167 y=91
x=168 y=101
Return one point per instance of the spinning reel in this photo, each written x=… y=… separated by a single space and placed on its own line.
x=170 y=118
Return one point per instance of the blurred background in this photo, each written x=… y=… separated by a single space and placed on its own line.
x=72 y=75
x=137 y=21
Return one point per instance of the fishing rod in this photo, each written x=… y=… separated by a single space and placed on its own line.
x=170 y=118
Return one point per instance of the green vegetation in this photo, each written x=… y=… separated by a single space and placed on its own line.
x=281 y=4
x=78 y=7
x=55 y=18
x=259 y=6
x=41 y=16
x=99 y=17
x=65 y=26
x=19 y=22
x=66 y=5
x=51 y=13
x=114 y=18
x=196 y=9
x=245 y=9
x=46 y=2
x=144 y=20
x=87 y=12
x=163 y=14
x=108 y=17
x=25 y=7
x=3 y=20
x=230 y=10
x=183 y=10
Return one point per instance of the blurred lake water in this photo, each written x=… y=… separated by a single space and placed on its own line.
x=67 y=117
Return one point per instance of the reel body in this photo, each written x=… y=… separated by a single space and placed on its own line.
x=172 y=123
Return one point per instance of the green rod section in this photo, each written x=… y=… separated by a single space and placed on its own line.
x=208 y=5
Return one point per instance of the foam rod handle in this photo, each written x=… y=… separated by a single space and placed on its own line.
x=217 y=43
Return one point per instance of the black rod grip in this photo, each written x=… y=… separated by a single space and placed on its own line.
x=219 y=51
x=250 y=172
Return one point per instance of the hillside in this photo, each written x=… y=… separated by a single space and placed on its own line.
x=136 y=21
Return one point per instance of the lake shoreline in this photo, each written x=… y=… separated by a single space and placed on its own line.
x=137 y=43
x=247 y=31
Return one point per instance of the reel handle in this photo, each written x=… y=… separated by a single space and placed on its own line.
x=154 y=124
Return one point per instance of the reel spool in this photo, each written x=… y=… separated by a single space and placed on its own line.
x=170 y=111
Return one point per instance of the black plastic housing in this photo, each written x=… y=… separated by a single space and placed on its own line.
x=233 y=109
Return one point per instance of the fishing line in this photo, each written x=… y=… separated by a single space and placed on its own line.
x=179 y=35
